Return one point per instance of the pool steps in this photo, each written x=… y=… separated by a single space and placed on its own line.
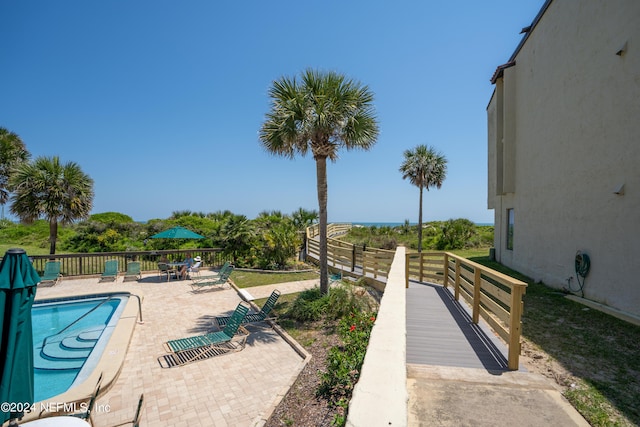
x=73 y=343
x=68 y=351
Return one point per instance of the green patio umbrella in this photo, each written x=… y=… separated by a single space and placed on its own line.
x=177 y=233
x=18 y=280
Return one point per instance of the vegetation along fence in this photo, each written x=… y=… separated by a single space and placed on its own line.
x=84 y=264
x=493 y=295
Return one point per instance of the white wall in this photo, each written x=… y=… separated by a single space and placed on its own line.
x=573 y=107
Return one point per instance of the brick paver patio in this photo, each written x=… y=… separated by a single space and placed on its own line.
x=237 y=389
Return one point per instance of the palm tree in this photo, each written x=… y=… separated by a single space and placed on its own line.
x=321 y=112
x=46 y=188
x=280 y=242
x=237 y=234
x=424 y=167
x=13 y=152
x=303 y=218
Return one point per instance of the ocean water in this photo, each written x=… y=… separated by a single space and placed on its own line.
x=380 y=224
x=396 y=224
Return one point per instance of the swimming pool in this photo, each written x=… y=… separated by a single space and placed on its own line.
x=68 y=339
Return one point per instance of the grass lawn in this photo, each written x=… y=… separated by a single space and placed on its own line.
x=247 y=279
x=31 y=250
x=599 y=354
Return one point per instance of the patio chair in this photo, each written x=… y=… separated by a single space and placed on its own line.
x=205 y=282
x=133 y=271
x=164 y=268
x=51 y=273
x=213 y=274
x=263 y=314
x=224 y=268
x=135 y=422
x=194 y=270
x=191 y=349
x=110 y=270
x=335 y=278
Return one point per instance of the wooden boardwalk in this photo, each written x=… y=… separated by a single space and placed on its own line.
x=440 y=332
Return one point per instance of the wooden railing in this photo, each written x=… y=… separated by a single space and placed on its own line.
x=333 y=229
x=376 y=263
x=493 y=295
x=86 y=264
x=371 y=263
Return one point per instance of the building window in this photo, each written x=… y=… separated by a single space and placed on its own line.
x=510 y=222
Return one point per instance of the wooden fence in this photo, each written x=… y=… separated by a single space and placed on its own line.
x=493 y=295
x=353 y=260
x=86 y=264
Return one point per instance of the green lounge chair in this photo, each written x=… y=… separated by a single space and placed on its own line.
x=133 y=271
x=110 y=270
x=263 y=314
x=191 y=349
x=215 y=274
x=51 y=273
x=205 y=282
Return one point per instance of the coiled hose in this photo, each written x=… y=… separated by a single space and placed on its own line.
x=582 y=265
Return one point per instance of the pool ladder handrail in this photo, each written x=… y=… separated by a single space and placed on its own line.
x=129 y=294
x=44 y=342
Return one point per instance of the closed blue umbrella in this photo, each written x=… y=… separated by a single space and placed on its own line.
x=18 y=280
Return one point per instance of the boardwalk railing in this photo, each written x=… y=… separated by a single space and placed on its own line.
x=371 y=263
x=493 y=295
x=333 y=229
x=86 y=264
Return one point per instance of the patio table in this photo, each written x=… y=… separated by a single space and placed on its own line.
x=177 y=266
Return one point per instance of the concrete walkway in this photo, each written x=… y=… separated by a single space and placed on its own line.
x=457 y=372
x=444 y=396
x=237 y=389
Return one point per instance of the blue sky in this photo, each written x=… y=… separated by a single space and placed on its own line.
x=160 y=102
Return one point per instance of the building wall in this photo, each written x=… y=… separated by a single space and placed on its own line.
x=569 y=138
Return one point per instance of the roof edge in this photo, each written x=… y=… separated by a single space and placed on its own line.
x=512 y=60
x=500 y=71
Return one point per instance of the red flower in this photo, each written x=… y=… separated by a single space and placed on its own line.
x=373 y=319
x=352 y=328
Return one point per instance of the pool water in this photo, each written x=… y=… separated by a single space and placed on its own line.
x=68 y=339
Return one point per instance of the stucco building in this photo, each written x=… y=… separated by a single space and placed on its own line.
x=564 y=150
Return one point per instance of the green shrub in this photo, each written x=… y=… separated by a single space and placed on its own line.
x=342 y=301
x=309 y=305
x=456 y=233
x=345 y=361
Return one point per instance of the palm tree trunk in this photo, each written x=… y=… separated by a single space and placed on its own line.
x=53 y=235
x=321 y=179
x=420 y=223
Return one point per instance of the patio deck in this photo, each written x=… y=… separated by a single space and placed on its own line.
x=238 y=389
